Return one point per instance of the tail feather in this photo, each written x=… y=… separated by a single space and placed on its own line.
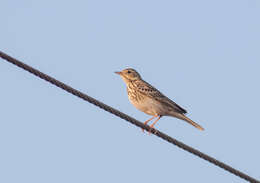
x=185 y=118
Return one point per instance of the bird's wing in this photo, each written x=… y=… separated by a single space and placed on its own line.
x=150 y=91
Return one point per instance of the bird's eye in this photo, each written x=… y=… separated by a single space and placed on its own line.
x=128 y=72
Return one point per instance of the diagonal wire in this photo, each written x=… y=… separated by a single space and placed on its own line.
x=126 y=117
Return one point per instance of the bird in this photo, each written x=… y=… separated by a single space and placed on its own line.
x=151 y=101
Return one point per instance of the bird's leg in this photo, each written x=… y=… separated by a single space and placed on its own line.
x=152 y=125
x=149 y=120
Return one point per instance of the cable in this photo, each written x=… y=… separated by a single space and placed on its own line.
x=126 y=117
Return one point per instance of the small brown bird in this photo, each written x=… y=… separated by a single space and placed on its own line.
x=151 y=101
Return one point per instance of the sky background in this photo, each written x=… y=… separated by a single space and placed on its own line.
x=202 y=54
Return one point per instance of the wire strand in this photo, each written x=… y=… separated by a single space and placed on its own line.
x=126 y=117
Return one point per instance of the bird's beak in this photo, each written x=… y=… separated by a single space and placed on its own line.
x=119 y=73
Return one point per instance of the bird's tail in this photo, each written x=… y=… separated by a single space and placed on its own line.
x=185 y=118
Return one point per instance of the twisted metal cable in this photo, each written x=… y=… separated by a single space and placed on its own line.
x=126 y=117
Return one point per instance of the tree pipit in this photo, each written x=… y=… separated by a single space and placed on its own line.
x=151 y=101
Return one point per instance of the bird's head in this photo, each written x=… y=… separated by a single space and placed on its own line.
x=129 y=75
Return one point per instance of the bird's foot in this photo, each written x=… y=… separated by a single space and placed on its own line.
x=152 y=128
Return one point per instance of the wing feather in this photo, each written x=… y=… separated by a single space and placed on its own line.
x=150 y=91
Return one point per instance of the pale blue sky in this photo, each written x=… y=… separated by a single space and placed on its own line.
x=202 y=54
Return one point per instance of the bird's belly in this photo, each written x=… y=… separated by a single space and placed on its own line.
x=149 y=106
